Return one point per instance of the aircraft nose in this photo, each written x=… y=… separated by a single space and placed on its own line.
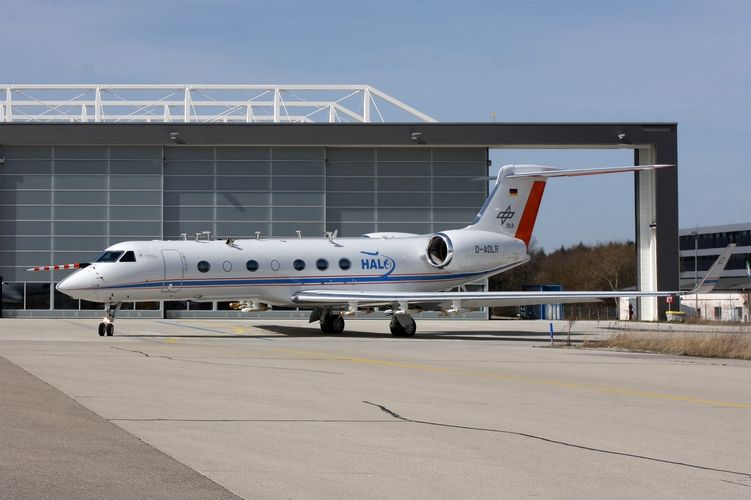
x=66 y=285
x=74 y=284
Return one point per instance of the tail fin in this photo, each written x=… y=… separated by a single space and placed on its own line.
x=514 y=202
x=710 y=280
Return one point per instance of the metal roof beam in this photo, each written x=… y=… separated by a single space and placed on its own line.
x=58 y=102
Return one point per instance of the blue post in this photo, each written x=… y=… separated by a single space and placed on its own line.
x=551 y=333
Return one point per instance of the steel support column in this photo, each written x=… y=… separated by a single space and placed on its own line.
x=646 y=235
x=656 y=202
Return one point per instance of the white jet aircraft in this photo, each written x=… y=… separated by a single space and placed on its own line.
x=400 y=273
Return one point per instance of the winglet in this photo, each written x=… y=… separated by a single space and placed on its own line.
x=712 y=277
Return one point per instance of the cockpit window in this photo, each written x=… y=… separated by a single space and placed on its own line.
x=129 y=257
x=110 y=256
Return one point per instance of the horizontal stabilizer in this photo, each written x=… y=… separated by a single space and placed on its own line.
x=547 y=172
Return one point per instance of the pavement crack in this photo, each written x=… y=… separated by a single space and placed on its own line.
x=735 y=482
x=555 y=441
x=260 y=420
x=130 y=350
x=266 y=367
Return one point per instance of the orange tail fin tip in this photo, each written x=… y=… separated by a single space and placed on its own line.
x=529 y=216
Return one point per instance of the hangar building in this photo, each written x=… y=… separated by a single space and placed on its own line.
x=84 y=167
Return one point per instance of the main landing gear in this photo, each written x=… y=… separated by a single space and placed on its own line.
x=332 y=323
x=107 y=326
x=402 y=325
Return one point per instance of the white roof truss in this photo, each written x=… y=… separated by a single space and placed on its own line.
x=138 y=103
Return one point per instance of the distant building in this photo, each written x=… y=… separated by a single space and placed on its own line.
x=716 y=306
x=700 y=246
x=542 y=311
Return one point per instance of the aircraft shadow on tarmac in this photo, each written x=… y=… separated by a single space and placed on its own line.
x=296 y=331
x=303 y=332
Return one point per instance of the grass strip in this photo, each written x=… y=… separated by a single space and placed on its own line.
x=706 y=345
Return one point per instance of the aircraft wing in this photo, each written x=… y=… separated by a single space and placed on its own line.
x=468 y=300
x=456 y=300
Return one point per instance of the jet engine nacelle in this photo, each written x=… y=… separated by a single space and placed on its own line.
x=471 y=250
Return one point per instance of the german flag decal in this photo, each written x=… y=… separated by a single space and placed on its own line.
x=513 y=192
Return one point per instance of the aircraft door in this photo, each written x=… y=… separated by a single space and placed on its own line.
x=173 y=271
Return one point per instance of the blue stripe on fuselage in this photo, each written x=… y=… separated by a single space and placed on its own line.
x=349 y=280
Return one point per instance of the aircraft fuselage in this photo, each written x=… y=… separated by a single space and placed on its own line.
x=273 y=270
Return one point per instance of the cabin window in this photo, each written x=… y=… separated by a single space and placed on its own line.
x=129 y=257
x=322 y=264
x=109 y=256
x=204 y=266
x=345 y=264
x=251 y=266
x=298 y=264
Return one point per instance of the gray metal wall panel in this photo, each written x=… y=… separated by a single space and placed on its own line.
x=101 y=194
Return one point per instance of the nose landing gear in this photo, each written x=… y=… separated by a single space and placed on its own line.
x=107 y=326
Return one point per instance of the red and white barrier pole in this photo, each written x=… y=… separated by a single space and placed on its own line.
x=59 y=267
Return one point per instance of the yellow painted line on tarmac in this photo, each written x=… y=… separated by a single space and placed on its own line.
x=171 y=340
x=515 y=378
x=226 y=325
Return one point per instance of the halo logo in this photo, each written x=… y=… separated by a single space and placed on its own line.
x=376 y=261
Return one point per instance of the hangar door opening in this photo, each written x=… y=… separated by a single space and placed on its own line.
x=592 y=217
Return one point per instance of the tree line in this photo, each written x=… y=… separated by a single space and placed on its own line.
x=605 y=266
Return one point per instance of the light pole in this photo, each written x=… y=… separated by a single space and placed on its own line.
x=696 y=257
x=696 y=269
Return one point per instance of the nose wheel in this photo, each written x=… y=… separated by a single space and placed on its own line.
x=107 y=326
x=107 y=329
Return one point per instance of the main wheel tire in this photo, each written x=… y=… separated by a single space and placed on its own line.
x=337 y=325
x=102 y=328
x=410 y=329
x=399 y=330
x=332 y=323
x=110 y=329
x=326 y=324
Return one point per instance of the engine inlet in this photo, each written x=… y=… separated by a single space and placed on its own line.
x=439 y=250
